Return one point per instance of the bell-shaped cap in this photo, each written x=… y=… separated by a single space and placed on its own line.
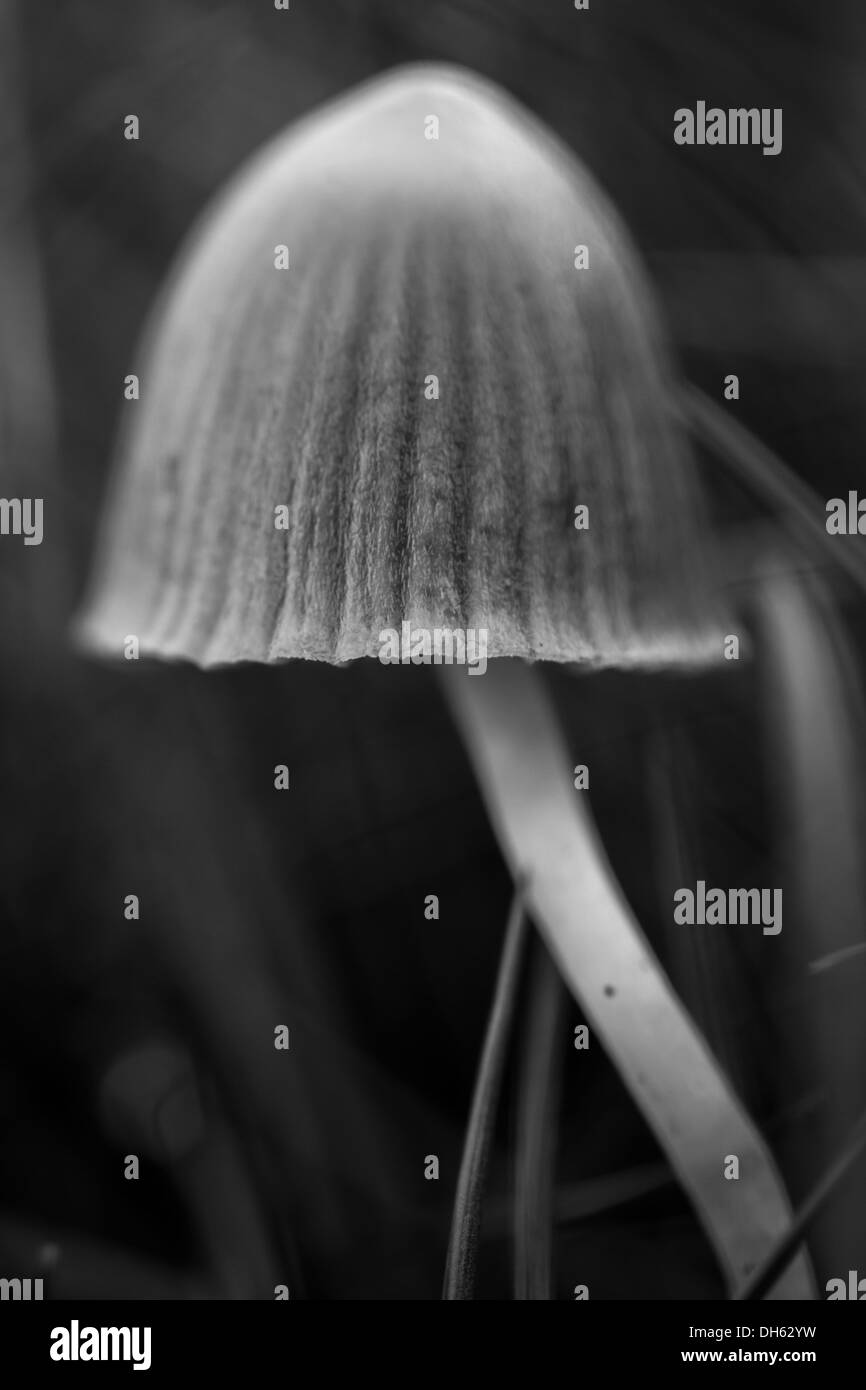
x=380 y=382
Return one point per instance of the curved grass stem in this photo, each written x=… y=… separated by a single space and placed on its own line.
x=539 y=1090
x=462 y=1260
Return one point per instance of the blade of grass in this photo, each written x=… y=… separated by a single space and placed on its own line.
x=539 y=1091
x=795 y=503
x=816 y=720
x=576 y=1201
x=762 y=1281
x=462 y=1259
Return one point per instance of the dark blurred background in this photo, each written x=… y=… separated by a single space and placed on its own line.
x=155 y=1036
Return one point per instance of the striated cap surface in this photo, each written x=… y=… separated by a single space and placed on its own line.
x=292 y=481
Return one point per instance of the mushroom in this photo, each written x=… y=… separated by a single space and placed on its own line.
x=408 y=371
x=307 y=389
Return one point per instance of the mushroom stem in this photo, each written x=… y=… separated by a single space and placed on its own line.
x=462 y=1258
x=514 y=743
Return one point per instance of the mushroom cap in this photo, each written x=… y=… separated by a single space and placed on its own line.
x=309 y=388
